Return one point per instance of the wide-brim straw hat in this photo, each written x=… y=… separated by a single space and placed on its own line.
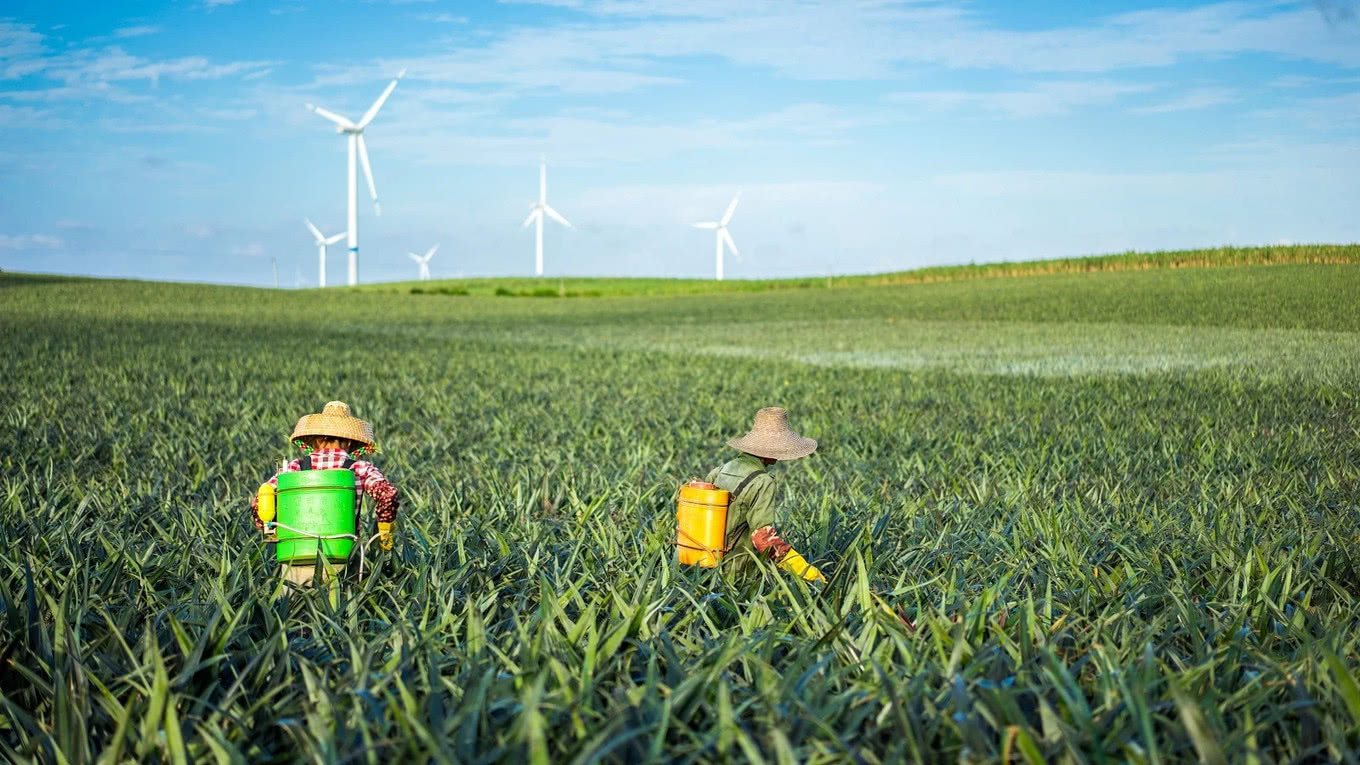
x=335 y=421
x=772 y=437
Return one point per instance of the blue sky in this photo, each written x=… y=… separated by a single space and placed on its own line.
x=169 y=140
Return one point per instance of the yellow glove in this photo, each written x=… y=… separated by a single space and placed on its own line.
x=385 y=535
x=795 y=564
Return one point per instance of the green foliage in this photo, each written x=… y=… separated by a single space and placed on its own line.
x=439 y=291
x=1104 y=517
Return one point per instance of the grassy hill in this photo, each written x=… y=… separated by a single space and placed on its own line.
x=1129 y=261
x=1102 y=516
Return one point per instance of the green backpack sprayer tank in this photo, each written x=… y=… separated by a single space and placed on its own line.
x=312 y=504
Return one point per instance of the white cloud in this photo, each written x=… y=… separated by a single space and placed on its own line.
x=136 y=31
x=20 y=48
x=232 y=115
x=877 y=39
x=16 y=117
x=1043 y=100
x=590 y=139
x=114 y=65
x=211 y=4
x=682 y=204
x=251 y=250
x=443 y=18
x=29 y=241
x=1197 y=98
x=1322 y=113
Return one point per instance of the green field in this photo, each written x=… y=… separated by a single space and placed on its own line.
x=1084 y=517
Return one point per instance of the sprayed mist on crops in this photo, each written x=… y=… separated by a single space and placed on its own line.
x=1090 y=516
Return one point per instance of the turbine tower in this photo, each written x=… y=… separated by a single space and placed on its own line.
x=537 y=212
x=721 y=234
x=321 y=242
x=424 y=262
x=354 y=132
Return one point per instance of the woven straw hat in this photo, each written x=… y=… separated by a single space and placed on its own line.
x=772 y=437
x=335 y=421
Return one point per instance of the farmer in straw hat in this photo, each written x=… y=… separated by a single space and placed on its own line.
x=336 y=439
x=751 y=505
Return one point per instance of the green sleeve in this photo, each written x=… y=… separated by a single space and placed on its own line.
x=713 y=475
x=758 y=501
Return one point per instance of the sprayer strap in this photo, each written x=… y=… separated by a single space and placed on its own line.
x=737 y=491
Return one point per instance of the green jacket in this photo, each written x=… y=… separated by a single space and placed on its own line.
x=752 y=509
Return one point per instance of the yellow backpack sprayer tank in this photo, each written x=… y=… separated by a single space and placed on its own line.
x=701 y=524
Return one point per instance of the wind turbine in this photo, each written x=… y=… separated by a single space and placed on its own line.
x=321 y=241
x=722 y=235
x=424 y=262
x=355 y=136
x=537 y=212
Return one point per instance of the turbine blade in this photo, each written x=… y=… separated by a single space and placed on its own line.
x=731 y=245
x=368 y=173
x=532 y=214
x=413 y=256
x=731 y=208
x=373 y=110
x=431 y=252
x=336 y=238
x=315 y=231
x=332 y=116
x=556 y=216
x=710 y=225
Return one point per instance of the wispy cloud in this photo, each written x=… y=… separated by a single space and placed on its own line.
x=137 y=31
x=30 y=242
x=1321 y=113
x=231 y=115
x=1298 y=81
x=876 y=39
x=21 y=49
x=1043 y=100
x=1198 y=98
x=16 y=117
x=443 y=18
x=591 y=139
x=251 y=250
x=114 y=64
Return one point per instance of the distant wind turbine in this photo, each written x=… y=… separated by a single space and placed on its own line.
x=355 y=137
x=424 y=262
x=722 y=235
x=321 y=241
x=536 y=214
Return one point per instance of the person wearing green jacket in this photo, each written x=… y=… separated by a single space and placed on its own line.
x=752 y=493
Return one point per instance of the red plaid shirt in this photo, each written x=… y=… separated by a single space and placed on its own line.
x=367 y=480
